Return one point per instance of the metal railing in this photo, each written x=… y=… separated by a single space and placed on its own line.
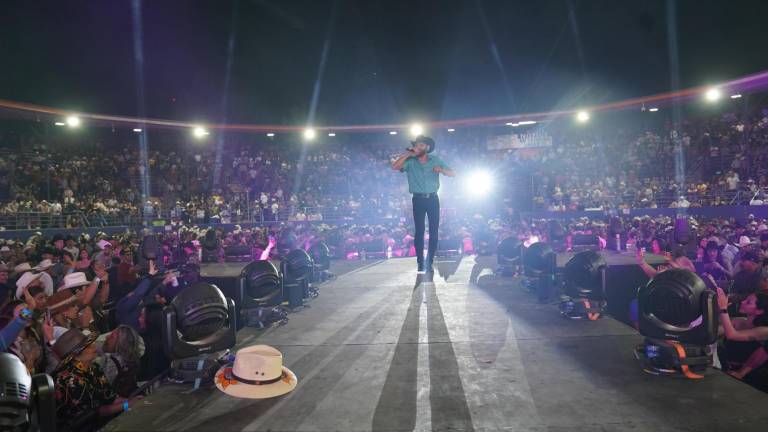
x=42 y=220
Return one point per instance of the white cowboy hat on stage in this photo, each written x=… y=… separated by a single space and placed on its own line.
x=257 y=373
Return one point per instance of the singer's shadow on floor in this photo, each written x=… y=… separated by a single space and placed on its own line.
x=446 y=267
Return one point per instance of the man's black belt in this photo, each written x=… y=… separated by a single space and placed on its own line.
x=425 y=195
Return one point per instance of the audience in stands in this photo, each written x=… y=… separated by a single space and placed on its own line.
x=58 y=295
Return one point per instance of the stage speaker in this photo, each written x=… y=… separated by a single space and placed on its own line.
x=449 y=247
x=251 y=285
x=584 y=242
x=238 y=253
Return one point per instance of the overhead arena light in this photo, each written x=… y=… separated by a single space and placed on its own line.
x=527 y=122
x=713 y=94
x=309 y=134
x=137 y=130
x=582 y=116
x=478 y=183
x=653 y=109
x=451 y=130
x=200 y=132
x=393 y=132
x=417 y=129
x=60 y=124
x=331 y=134
x=270 y=134
x=735 y=96
x=73 y=121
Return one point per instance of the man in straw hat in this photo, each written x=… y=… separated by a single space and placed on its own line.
x=81 y=386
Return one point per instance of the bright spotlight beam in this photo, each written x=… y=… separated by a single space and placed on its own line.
x=478 y=183
x=582 y=117
x=199 y=132
x=73 y=121
x=309 y=134
x=713 y=94
x=417 y=129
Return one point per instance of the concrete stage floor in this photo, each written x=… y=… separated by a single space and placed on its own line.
x=383 y=349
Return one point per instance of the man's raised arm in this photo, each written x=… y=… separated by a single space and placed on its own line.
x=397 y=165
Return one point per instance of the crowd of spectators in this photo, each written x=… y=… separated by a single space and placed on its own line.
x=723 y=158
x=84 y=308
x=604 y=168
x=253 y=185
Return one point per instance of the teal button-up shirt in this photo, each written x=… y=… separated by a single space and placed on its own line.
x=421 y=177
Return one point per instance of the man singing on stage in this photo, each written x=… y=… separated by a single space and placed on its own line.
x=423 y=170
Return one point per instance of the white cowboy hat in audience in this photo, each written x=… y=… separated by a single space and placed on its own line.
x=103 y=244
x=744 y=241
x=5 y=249
x=74 y=280
x=257 y=373
x=21 y=268
x=44 y=265
x=25 y=279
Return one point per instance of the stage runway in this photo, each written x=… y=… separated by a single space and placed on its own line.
x=383 y=349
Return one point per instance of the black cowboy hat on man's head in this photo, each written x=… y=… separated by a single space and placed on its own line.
x=426 y=140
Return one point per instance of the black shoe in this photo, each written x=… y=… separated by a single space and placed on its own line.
x=421 y=268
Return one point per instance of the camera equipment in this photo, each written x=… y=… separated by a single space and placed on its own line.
x=150 y=248
x=678 y=317
x=584 y=286
x=27 y=403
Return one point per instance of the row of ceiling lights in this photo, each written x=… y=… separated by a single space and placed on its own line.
x=712 y=95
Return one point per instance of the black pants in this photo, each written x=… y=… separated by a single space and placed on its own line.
x=431 y=208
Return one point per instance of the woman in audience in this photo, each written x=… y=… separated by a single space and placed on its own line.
x=83 y=260
x=123 y=350
x=83 y=393
x=714 y=263
x=736 y=352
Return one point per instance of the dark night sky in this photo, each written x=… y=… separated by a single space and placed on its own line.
x=389 y=60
